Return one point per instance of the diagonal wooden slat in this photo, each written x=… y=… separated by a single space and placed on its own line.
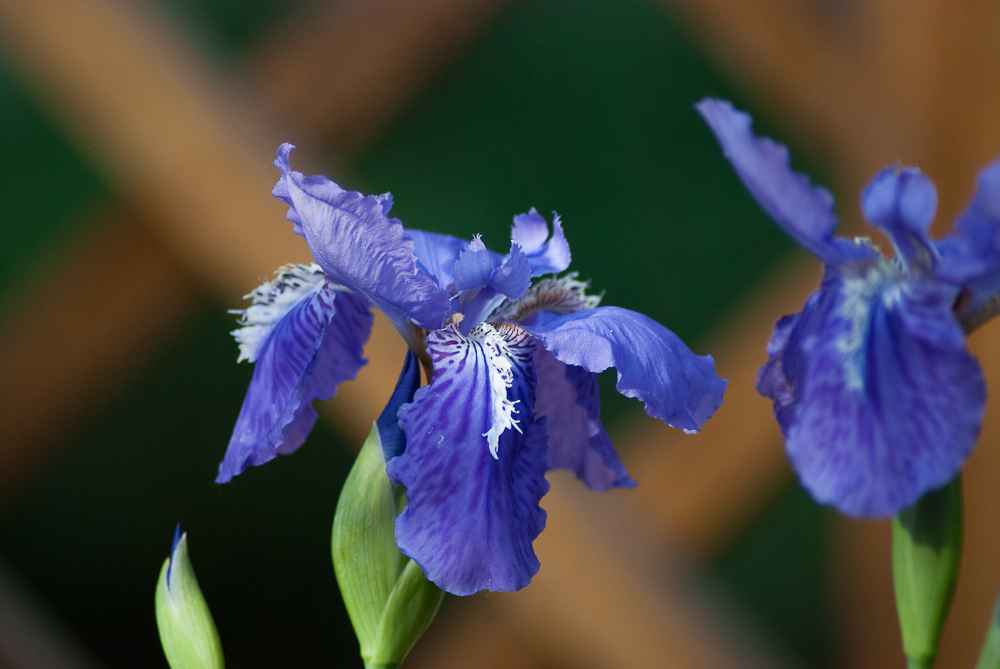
x=157 y=121
x=96 y=318
x=343 y=71
x=700 y=489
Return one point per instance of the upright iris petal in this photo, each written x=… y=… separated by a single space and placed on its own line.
x=902 y=201
x=545 y=255
x=486 y=281
x=878 y=398
x=474 y=268
x=358 y=246
x=436 y=255
x=306 y=337
x=513 y=277
x=473 y=478
x=972 y=257
x=477 y=267
x=802 y=210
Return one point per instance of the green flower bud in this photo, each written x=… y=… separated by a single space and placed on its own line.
x=388 y=599
x=187 y=632
x=926 y=549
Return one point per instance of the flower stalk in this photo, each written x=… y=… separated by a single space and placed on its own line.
x=926 y=551
x=388 y=599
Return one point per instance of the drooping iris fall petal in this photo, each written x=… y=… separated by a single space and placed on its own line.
x=654 y=365
x=887 y=401
x=473 y=478
x=306 y=337
x=568 y=397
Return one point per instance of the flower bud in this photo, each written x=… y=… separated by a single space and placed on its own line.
x=388 y=599
x=187 y=631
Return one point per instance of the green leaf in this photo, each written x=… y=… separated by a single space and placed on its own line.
x=926 y=550
x=365 y=557
x=187 y=631
x=990 y=657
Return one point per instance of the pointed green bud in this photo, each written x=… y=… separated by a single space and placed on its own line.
x=388 y=599
x=187 y=631
x=990 y=657
x=926 y=549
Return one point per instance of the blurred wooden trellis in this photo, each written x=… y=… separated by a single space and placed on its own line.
x=870 y=81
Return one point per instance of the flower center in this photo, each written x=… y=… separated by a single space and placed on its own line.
x=560 y=295
x=877 y=285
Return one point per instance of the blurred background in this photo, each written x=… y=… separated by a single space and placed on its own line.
x=136 y=142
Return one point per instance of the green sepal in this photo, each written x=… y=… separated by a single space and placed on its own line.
x=187 y=631
x=926 y=551
x=408 y=613
x=990 y=657
x=365 y=557
x=387 y=597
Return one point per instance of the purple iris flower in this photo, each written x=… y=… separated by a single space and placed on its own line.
x=511 y=348
x=876 y=394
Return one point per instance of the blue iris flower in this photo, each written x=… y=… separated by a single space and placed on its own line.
x=512 y=349
x=876 y=394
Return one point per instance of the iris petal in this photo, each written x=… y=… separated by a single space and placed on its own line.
x=653 y=364
x=513 y=277
x=545 y=255
x=390 y=433
x=358 y=246
x=471 y=517
x=972 y=259
x=478 y=267
x=568 y=397
x=437 y=254
x=889 y=402
x=316 y=344
x=903 y=201
x=773 y=381
x=802 y=210
x=474 y=267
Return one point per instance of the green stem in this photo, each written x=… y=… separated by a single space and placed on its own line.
x=926 y=550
